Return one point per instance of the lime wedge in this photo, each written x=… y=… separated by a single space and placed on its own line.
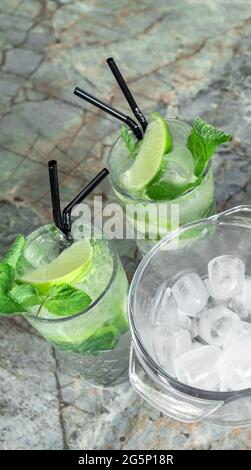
x=72 y=264
x=156 y=143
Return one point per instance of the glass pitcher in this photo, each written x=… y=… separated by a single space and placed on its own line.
x=228 y=233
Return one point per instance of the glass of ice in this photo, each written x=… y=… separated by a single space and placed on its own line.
x=190 y=318
x=151 y=218
x=95 y=341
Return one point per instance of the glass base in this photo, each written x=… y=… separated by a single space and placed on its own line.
x=106 y=368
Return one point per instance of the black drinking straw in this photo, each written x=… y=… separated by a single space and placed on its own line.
x=80 y=197
x=55 y=199
x=63 y=221
x=126 y=92
x=110 y=110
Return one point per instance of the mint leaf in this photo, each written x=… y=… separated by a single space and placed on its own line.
x=26 y=295
x=165 y=191
x=162 y=191
x=105 y=338
x=7 y=275
x=66 y=300
x=129 y=141
x=7 y=305
x=202 y=143
x=14 y=253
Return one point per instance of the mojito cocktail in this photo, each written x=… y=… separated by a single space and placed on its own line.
x=75 y=294
x=166 y=179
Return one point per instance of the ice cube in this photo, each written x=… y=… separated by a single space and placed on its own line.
x=241 y=304
x=188 y=323
x=246 y=326
x=163 y=308
x=216 y=325
x=179 y=168
x=212 y=302
x=226 y=276
x=44 y=245
x=197 y=367
x=194 y=328
x=179 y=342
x=164 y=311
x=169 y=344
x=196 y=345
x=183 y=320
x=234 y=366
x=241 y=332
x=190 y=294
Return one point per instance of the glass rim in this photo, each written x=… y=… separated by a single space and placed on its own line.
x=136 y=199
x=150 y=362
x=93 y=304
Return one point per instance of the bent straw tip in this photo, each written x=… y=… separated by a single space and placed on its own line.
x=105 y=171
x=76 y=89
x=109 y=60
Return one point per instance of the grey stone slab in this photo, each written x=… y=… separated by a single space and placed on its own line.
x=21 y=61
x=15 y=220
x=50 y=118
x=26 y=393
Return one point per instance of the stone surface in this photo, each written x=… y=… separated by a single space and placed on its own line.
x=184 y=59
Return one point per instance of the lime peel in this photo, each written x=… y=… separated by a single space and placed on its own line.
x=72 y=264
x=156 y=143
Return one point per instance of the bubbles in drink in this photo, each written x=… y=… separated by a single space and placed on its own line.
x=202 y=328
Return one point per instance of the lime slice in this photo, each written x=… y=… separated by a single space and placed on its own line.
x=156 y=143
x=72 y=264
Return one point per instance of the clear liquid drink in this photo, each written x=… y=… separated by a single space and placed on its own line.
x=95 y=341
x=154 y=216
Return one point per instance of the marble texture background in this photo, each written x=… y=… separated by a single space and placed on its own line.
x=183 y=58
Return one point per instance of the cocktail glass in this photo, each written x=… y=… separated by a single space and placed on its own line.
x=94 y=342
x=152 y=219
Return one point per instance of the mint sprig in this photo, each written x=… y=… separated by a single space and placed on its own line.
x=131 y=144
x=202 y=143
x=16 y=297
x=65 y=300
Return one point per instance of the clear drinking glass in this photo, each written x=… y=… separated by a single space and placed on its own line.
x=94 y=342
x=228 y=233
x=196 y=204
